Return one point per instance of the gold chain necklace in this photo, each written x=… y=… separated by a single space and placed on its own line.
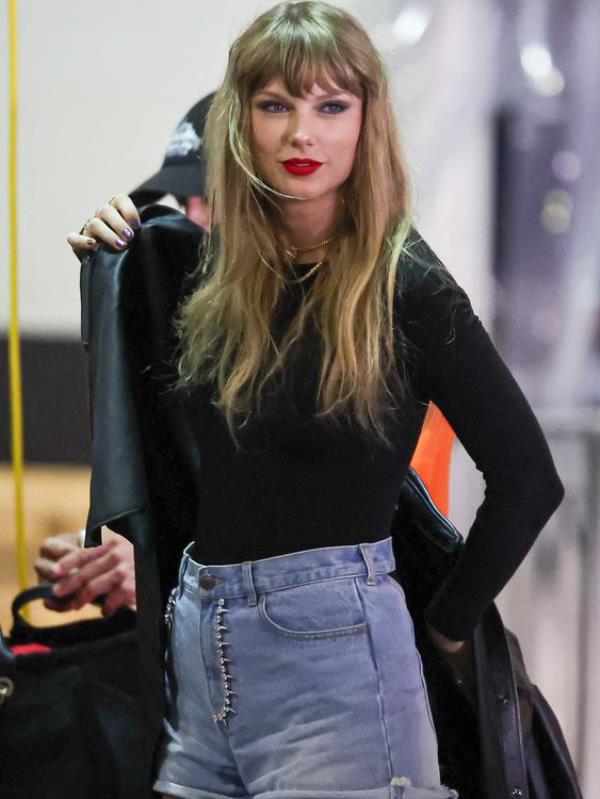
x=293 y=251
x=308 y=274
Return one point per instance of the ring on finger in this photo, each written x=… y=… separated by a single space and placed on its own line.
x=112 y=200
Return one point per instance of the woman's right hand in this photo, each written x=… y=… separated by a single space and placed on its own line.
x=114 y=224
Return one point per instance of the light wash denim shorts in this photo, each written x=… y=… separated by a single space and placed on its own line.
x=296 y=677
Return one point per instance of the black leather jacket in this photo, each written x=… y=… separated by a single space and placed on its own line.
x=145 y=467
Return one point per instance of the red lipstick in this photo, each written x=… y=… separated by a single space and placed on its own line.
x=301 y=166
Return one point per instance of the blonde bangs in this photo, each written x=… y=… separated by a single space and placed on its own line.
x=300 y=63
x=306 y=43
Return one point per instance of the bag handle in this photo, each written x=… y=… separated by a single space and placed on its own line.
x=8 y=660
x=43 y=591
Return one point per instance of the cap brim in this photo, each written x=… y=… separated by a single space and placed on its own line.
x=182 y=180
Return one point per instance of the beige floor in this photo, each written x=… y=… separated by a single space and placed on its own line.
x=56 y=500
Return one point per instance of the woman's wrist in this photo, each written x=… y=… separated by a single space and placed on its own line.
x=446 y=644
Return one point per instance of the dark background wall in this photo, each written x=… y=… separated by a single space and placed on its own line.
x=54 y=401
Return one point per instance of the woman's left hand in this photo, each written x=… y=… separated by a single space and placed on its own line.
x=458 y=656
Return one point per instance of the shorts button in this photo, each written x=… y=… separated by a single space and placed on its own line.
x=207 y=581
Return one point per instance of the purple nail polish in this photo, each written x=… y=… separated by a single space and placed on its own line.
x=128 y=233
x=136 y=225
x=121 y=243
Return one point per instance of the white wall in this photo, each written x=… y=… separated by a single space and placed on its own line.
x=102 y=85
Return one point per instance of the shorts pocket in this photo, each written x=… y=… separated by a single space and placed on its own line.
x=321 y=609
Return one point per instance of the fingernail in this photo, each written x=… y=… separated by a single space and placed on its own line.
x=136 y=225
x=121 y=243
x=91 y=242
x=128 y=233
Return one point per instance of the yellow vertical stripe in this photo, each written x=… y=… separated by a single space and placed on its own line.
x=16 y=393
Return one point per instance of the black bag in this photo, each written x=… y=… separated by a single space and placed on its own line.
x=71 y=725
x=513 y=746
x=426 y=545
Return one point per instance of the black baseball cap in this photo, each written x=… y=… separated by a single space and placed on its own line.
x=183 y=170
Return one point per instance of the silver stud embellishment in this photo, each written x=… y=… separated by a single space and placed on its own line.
x=226 y=677
x=170 y=608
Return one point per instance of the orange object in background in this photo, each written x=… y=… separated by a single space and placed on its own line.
x=433 y=455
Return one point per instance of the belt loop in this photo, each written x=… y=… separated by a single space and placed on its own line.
x=369 y=562
x=182 y=565
x=249 y=583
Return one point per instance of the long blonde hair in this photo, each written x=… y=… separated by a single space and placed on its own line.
x=225 y=325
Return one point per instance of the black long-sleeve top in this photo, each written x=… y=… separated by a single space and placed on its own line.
x=301 y=483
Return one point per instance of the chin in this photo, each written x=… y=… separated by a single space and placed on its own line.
x=301 y=188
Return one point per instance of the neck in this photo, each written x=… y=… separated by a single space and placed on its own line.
x=307 y=222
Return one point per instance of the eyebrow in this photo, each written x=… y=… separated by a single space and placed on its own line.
x=280 y=96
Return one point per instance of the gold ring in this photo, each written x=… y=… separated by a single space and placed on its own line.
x=112 y=200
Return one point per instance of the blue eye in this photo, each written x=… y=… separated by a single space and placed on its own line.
x=266 y=106
x=341 y=106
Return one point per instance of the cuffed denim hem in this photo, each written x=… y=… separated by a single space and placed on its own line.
x=399 y=788
x=182 y=791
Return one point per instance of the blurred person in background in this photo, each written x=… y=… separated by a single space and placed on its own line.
x=82 y=575
x=180 y=182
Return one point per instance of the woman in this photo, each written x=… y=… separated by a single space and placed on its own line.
x=321 y=327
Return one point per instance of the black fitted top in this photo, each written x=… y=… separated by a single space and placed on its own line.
x=300 y=483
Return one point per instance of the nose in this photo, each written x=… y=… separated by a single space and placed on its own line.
x=302 y=139
x=299 y=131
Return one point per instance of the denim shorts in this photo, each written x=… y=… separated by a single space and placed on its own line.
x=296 y=677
